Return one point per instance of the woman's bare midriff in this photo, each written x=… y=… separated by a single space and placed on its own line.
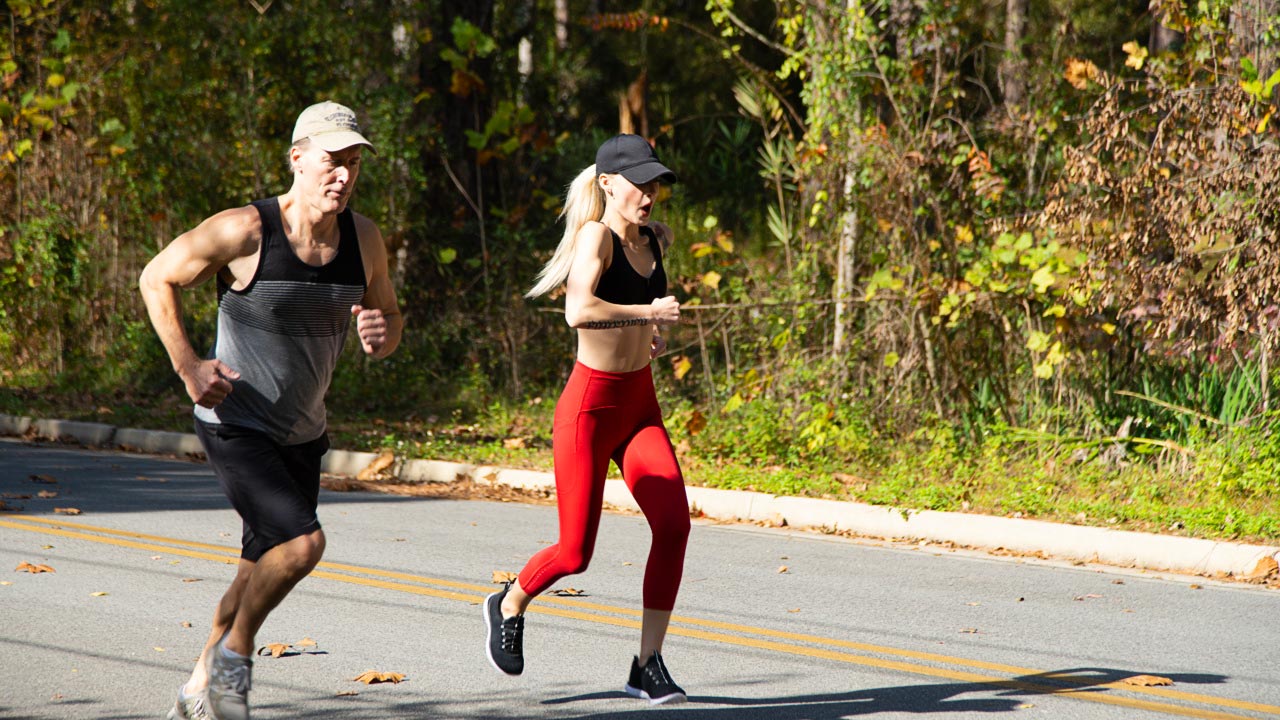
x=623 y=349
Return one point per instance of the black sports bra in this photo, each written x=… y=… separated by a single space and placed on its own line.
x=620 y=284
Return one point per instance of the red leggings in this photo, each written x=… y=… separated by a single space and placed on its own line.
x=603 y=416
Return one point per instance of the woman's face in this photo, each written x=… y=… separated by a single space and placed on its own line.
x=633 y=203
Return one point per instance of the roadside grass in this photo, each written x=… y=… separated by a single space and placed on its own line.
x=1222 y=488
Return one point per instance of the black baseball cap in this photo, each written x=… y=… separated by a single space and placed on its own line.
x=632 y=157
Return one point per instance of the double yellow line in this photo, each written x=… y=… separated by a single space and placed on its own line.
x=1038 y=682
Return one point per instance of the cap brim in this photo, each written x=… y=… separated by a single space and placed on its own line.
x=648 y=172
x=335 y=141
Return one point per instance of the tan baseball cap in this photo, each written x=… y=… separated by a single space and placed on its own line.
x=331 y=126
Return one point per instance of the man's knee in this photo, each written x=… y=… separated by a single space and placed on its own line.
x=301 y=554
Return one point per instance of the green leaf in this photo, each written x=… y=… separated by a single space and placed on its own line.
x=447 y=255
x=733 y=403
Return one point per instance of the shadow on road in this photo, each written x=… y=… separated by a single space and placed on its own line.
x=1017 y=693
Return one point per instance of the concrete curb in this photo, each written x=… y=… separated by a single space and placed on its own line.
x=1069 y=542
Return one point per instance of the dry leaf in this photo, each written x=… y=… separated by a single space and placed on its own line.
x=1086 y=597
x=16 y=496
x=377 y=465
x=1026 y=706
x=46 y=479
x=67 y=511
x=275 y=650
x=504 y=576
x=186 y=624
x=33 y=569
x=192 y=579
x=1195 y=586
x=625 y=564
x=794 y=610
x=566 y=591
x=305 y=642
x=46 y=547
x=100 y=593
x=157 y=648
x=347 y=693
x=515 y=443
x=369 y=677
x=970 y=631
x=46 y=494
x=1265 y=568
x=783 y=568
x=1147 y=680
x=6 y=582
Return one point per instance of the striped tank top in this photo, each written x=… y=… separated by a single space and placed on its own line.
x=284 y=332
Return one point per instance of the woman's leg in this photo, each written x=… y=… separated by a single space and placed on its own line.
x=652 y=473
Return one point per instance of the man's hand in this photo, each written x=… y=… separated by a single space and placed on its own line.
x=208 y=382
x=371 y=328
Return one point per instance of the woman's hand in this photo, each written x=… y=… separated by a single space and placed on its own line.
x=666 y=311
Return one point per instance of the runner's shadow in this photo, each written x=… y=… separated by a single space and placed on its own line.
x=939 y=698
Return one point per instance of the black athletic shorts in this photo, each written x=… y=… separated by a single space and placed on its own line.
x=274 y=487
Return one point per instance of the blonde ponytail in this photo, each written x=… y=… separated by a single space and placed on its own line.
x=583 y=203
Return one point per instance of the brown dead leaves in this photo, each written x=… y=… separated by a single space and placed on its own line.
x=275 y=650
x=33 y=569
x=371 y=677
x=504 y=576
x=377 y=467
x=67 y=511
x=1267 y=570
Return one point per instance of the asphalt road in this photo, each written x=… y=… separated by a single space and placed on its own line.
x=771 y=624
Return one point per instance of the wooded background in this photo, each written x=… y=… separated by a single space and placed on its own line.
x=951 y=222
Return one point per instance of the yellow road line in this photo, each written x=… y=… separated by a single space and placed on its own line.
x=227 y=555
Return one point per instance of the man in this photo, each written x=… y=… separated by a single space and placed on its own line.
x=292 y=273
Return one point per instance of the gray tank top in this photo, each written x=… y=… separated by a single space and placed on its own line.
x=284 y=331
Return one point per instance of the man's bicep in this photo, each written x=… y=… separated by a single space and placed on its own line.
x=196 y=255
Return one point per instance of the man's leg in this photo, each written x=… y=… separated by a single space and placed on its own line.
x=223 y=616
x=277 y=572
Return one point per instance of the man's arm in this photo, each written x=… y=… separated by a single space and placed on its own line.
x=190 y=260
x=379 y=323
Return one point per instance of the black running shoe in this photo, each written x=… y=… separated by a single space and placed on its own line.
x=504 y=641
x=653 y=683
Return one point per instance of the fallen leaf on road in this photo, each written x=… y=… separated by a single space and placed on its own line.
x=46 y=479
x=186 y=624
x=625 y=564
x=970 y=631
x=347 y=693
x=33 y=569
x=46 y=547
x=100 y=593
x=1117 y=582
x=66 y=511
x=1195 y=587
x=192 y=579
x=369 y=677
x=305 y=642
x=1087 y=597
x=1026 y=706
x=46 y=494
x=275 y=650
x=157 y=648
x=794 y=610
x=783 y=569
x=16 y=496
x=1147 y=680
x=566 y=591
x=503 y=576
x=6 y=582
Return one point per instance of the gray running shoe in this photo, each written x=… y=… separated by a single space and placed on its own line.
x=229 y=685
x=194 y=707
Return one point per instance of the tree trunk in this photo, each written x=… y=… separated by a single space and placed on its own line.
x=1163 y=37
x=562 y=25
x=1013 y=63
x=1249 y=28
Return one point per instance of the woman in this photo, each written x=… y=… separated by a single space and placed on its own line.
x=616 y=297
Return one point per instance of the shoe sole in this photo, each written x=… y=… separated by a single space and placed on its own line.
x=672 y=699
x=488 y=635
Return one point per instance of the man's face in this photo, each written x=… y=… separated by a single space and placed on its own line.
x=328 y=178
